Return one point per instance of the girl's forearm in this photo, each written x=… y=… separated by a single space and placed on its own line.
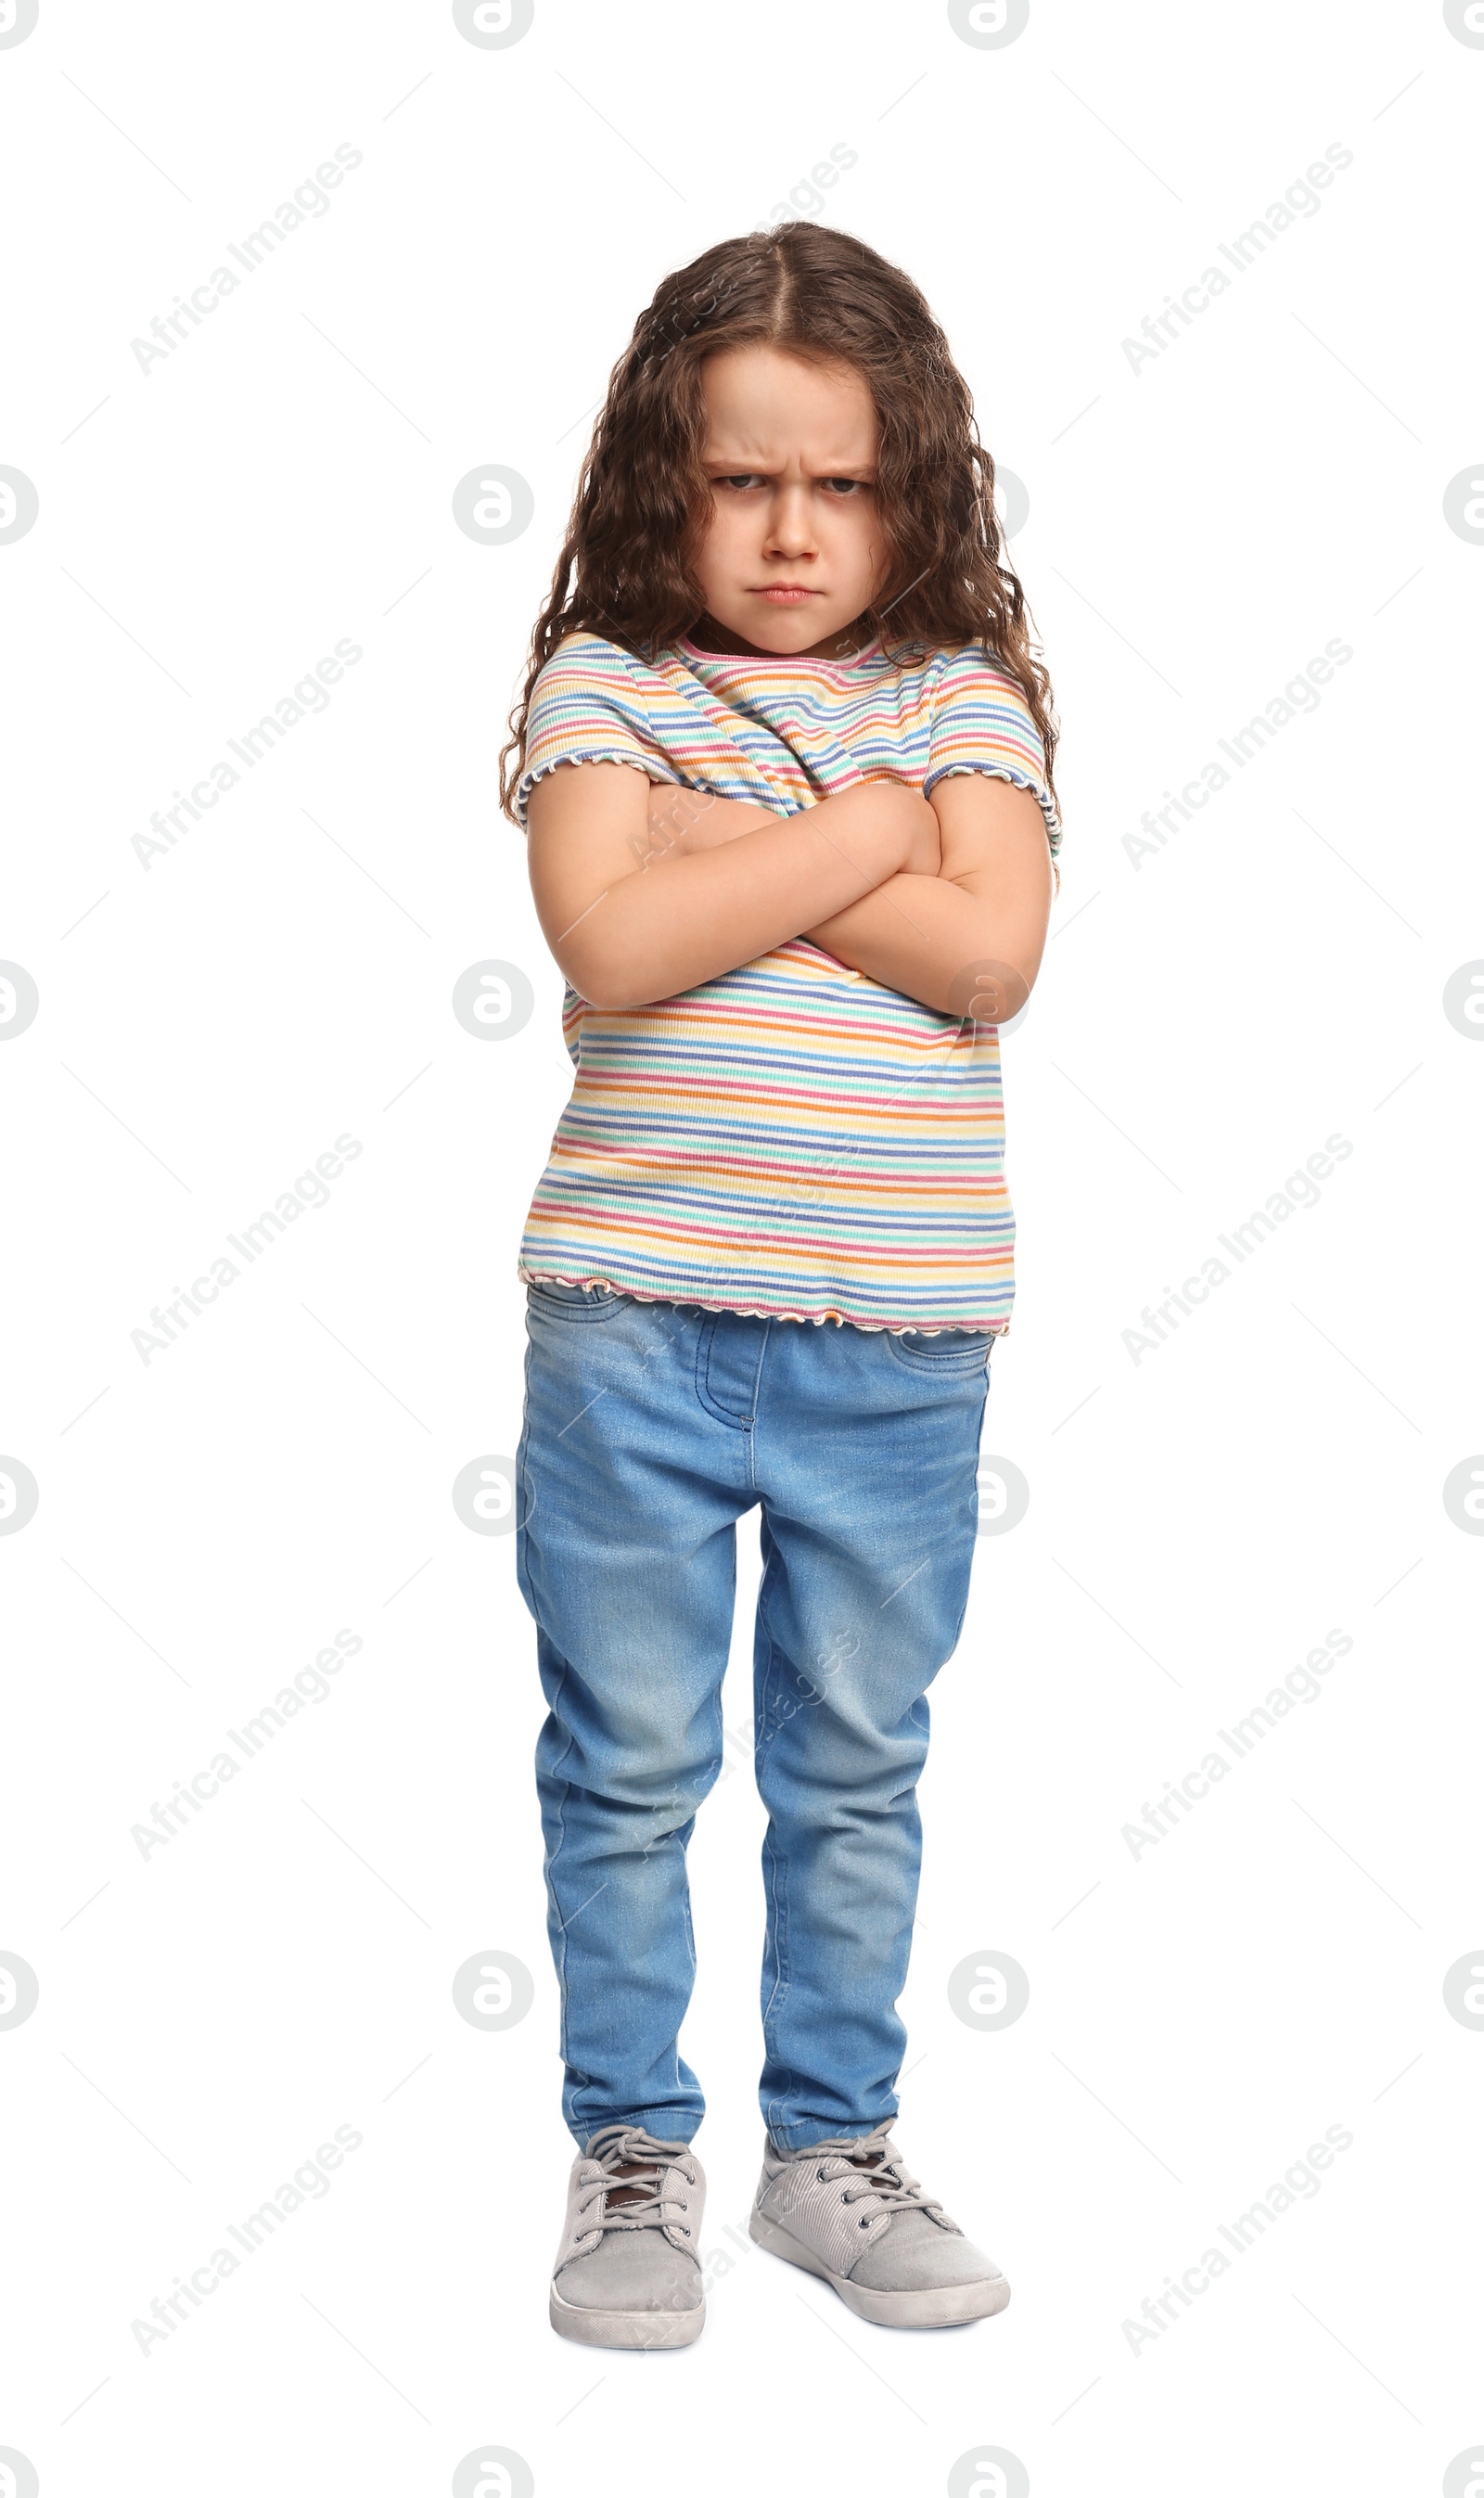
x=935 y=940
x=682 y=917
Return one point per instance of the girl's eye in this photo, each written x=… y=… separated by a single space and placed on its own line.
x=844 y=486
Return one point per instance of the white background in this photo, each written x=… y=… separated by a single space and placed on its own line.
x=1199 y=1518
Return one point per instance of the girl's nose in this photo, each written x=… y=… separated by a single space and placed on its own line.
x=790 y=527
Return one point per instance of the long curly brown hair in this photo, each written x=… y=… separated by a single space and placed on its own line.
x=643 y=499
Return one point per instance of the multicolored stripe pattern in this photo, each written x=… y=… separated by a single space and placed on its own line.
x=792 y=1140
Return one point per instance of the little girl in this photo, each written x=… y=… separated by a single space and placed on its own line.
x=796 y=866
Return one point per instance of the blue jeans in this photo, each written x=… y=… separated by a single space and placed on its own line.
x=650 y=1428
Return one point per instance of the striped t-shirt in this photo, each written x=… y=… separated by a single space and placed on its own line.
x=790 y=1140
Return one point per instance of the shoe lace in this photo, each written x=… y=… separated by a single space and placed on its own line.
x=644 y=2198
x=882 y=2170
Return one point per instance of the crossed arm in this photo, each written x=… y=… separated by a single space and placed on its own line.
x=644 y=890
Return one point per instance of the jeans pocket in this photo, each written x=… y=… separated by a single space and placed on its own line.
x=571 y=1300
x=952 y=1351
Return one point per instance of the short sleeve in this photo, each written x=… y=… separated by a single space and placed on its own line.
x=981 y=722
x=586 y=707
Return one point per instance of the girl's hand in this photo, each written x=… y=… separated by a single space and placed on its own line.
x=682 y=822
x=911 y=816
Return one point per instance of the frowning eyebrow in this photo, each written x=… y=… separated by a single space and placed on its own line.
x=743 y=466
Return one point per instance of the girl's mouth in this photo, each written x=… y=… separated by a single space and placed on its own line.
x=788 y=594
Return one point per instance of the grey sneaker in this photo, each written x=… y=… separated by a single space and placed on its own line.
x=847 y=2210
x=627 y=2273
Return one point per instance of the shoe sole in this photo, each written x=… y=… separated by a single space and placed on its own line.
x=618 y=2328
x=959 y=2305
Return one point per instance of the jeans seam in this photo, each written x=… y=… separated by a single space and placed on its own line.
x=752 y=1437
x=526 y=1584
x=968 y=1582
x=706 y=1338
x=559 y=1811
x=776 y=1867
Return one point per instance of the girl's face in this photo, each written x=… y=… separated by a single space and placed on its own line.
x=793 y=552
